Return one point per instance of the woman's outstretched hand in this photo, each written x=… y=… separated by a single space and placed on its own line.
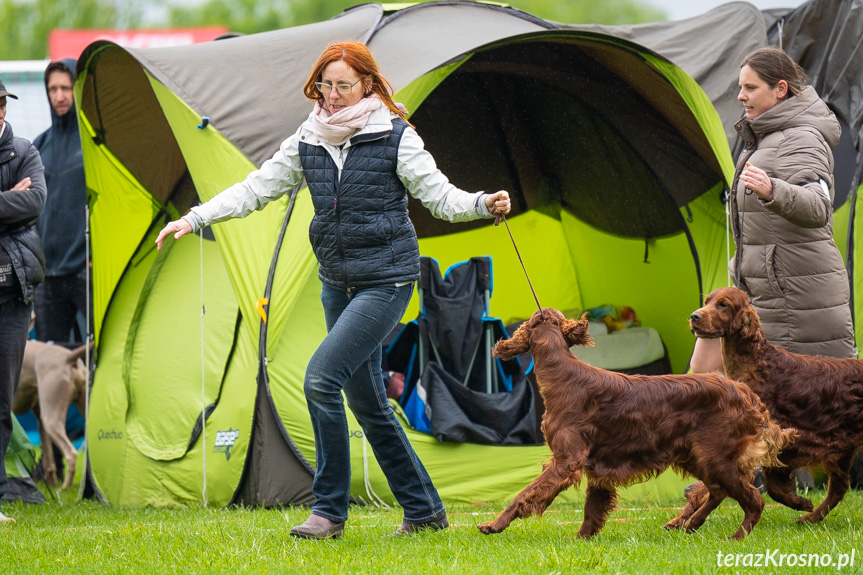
x=178 y=227
x=498 y=203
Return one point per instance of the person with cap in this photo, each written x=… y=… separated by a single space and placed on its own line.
x=63 y=294
x=22 y=263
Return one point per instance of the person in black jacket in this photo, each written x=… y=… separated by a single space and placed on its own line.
x=22 y=263
x=63 y=294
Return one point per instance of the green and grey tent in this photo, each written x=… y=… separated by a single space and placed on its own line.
x=614 y=156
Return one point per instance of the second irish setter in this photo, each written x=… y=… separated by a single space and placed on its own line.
x=620 y=429
x=821 y=397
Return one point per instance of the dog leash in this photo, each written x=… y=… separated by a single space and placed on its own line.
x=497 y=219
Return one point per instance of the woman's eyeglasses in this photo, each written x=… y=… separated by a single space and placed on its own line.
x=343 y=89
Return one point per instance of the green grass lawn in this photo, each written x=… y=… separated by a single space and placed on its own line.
x=89 y=537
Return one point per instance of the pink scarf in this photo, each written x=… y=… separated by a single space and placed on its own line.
x=336 y=129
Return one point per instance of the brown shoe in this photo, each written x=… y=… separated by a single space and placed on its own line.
x=317 y=527
x=410 y=528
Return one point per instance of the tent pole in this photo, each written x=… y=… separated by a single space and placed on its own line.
x=87 y=318
x=850 y=252
x=203 y=376
x=87 y=339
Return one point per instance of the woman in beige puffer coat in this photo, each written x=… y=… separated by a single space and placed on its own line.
x=782 y=215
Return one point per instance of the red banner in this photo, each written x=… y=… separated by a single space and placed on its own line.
x=70 y=43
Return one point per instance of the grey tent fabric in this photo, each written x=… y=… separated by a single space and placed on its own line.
x=826 y=38
x=407 y=44
x=416 y=40
x=212 y=78
x=709 y=47
x=22 y=489
x=271 y=461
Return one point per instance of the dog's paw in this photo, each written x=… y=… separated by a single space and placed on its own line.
x=51 y=478
x=66 y=484
x=691 y=527
x=674 y=524
x=489 y=528
x=810 y=518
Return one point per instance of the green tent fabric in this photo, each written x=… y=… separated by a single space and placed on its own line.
x=614 y=156
x=20 y=460
x=19 y=442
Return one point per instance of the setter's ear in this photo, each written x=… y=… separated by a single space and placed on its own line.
x=750 y=323
x=575 y=332
x=517 y=344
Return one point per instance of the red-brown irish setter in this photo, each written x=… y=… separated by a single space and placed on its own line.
x=821 y=397
x=620 y=429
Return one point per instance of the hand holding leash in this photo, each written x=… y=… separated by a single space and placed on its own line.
x=498 y=204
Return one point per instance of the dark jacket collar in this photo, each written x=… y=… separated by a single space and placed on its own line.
x=6 y=147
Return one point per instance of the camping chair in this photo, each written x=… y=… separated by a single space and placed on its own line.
x=454 y=388
x=452 y=308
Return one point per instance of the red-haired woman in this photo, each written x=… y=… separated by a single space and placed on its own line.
x=360 y=158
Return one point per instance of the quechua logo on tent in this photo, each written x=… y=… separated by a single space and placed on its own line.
x=225 y=441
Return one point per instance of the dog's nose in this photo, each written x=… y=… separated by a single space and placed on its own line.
x=695 y=316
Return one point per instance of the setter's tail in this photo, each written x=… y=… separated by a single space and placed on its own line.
x=765 y=451
x=775 y=440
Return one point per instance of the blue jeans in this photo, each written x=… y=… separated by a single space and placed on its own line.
x=349 y=359
x=14 y=324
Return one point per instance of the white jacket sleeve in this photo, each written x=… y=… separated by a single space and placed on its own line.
x=277 y=176
x=419 y=173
